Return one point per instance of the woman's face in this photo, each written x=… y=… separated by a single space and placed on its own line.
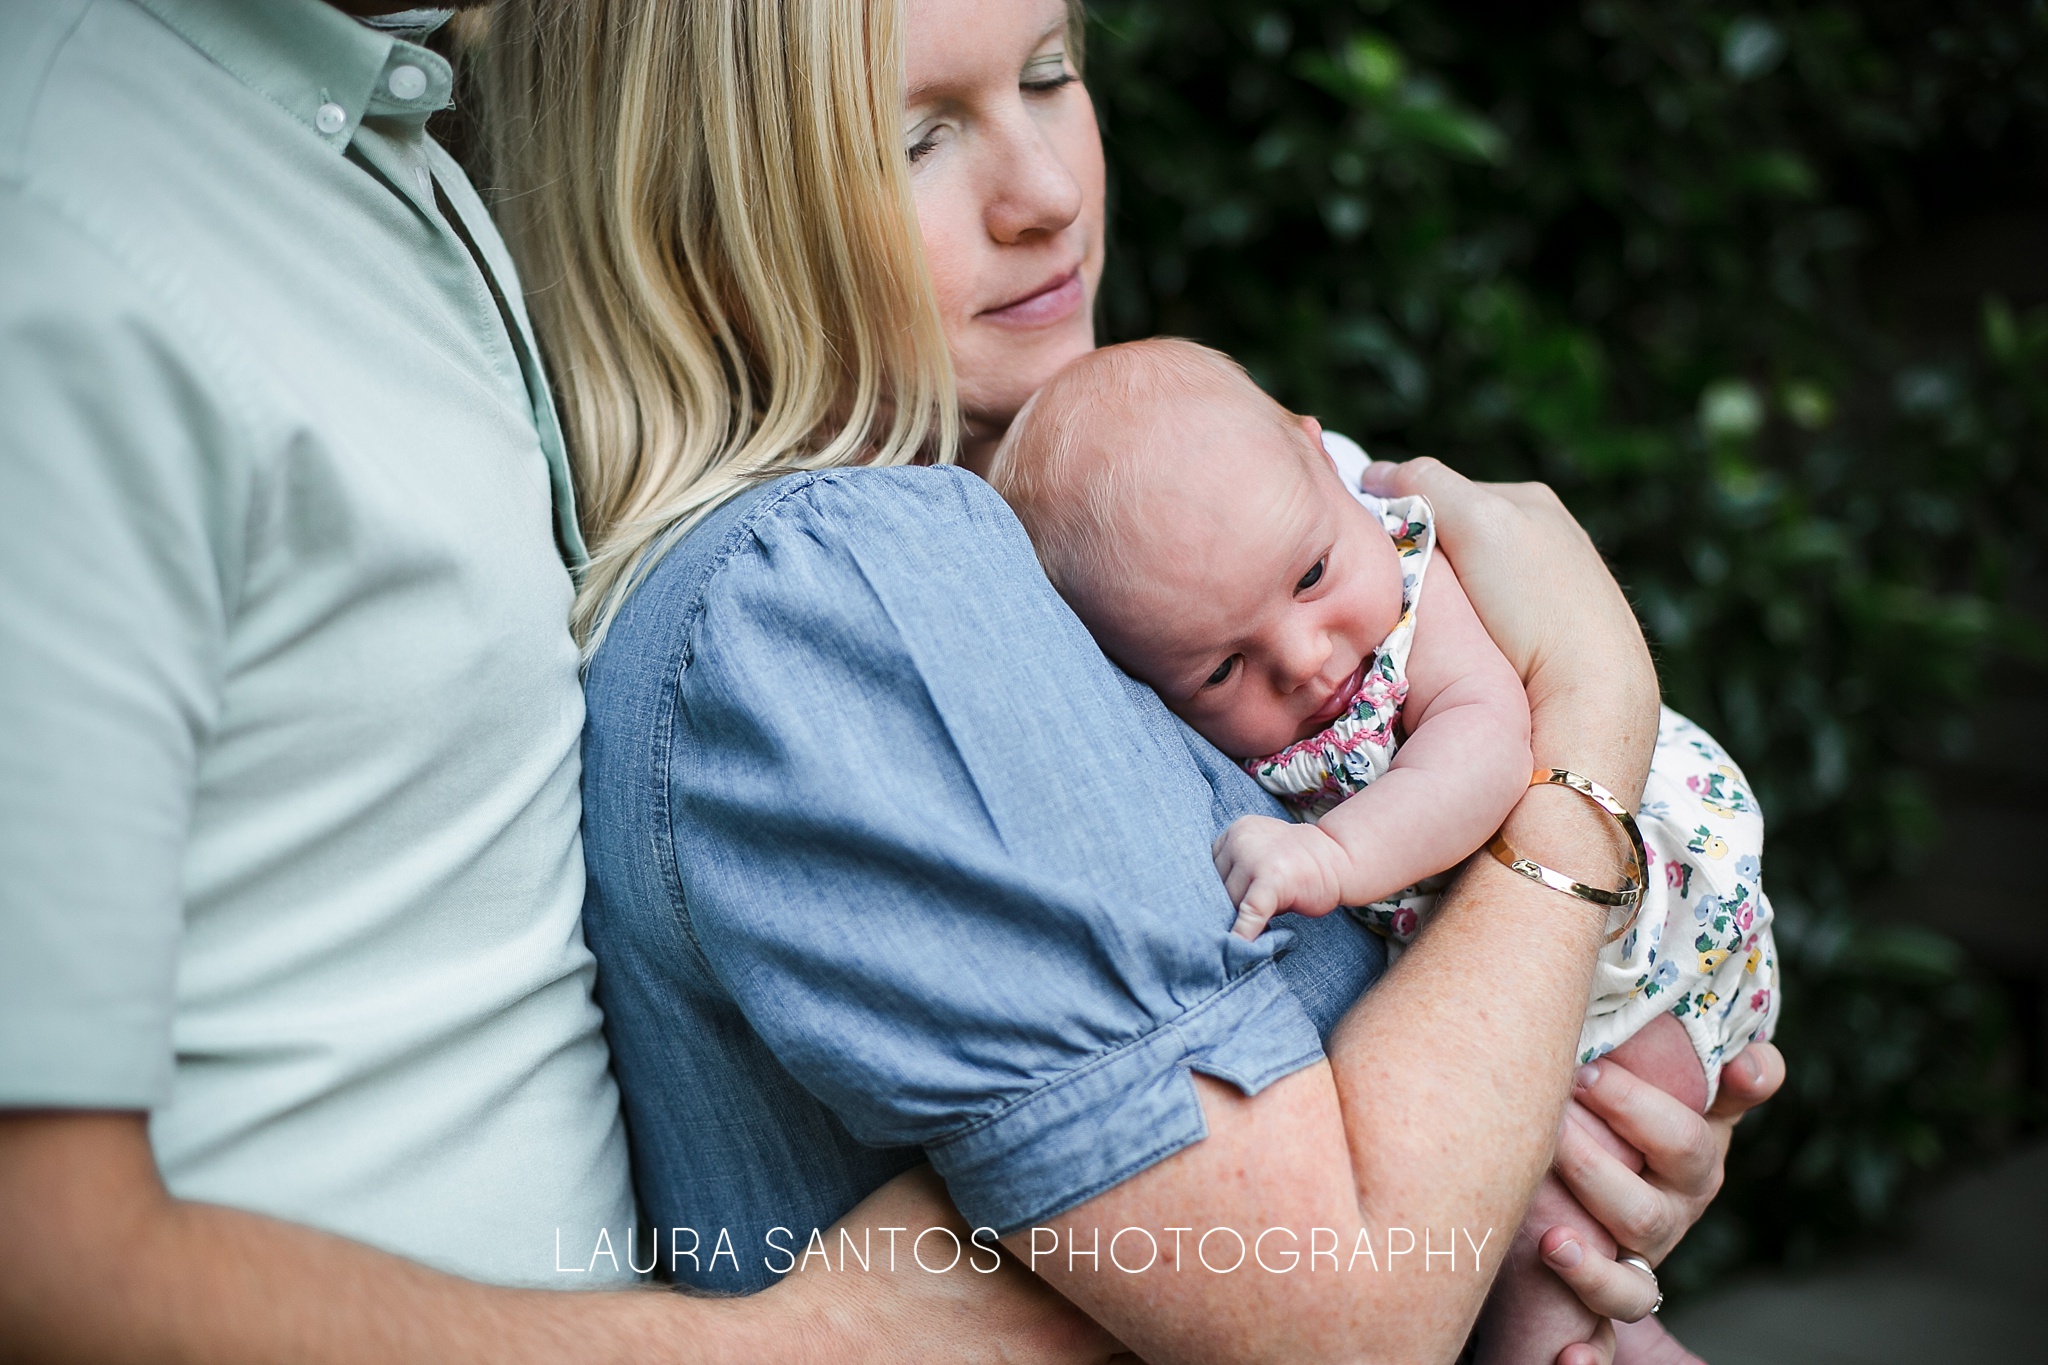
x=1006 y=169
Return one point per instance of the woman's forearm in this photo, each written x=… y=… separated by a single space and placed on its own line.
x=1493 y=993
x=1412 y=1152
x=1452 y=1074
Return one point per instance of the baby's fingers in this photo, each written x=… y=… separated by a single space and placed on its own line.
x=1250 y=924
x=1237 y=878
x=1255 y=910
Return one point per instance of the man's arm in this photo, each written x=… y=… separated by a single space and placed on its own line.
x=100 y=1263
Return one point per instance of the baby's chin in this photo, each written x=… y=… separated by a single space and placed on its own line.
x=1245 y=746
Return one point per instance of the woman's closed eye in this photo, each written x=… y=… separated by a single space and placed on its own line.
x=1222 y=673
x=922 y=140
x=1312 y=577
x=1046 y=72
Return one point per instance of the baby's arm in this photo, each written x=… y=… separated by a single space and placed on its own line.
x=1464 y=764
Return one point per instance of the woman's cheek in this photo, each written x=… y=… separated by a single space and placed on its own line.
x=1079 y=141
x=948 y=249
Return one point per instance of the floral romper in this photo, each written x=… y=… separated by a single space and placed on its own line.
x=1700 y=948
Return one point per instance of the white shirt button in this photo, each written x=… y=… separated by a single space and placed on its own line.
x=330 y=118
x=407 y=82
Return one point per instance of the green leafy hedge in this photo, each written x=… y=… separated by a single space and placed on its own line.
x=1638 y=248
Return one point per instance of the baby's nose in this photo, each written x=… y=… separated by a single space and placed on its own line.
x=1307 y=659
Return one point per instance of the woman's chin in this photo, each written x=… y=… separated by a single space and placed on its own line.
x=1003 y=366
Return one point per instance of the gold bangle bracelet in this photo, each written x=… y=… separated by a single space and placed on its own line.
x=1630 y=896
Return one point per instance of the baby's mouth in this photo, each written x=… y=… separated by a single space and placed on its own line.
x=1338 y=700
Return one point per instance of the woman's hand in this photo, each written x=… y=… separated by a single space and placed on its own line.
x=1647 y=1212
x=1549 y=602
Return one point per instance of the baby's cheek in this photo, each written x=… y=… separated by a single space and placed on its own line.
x=1249 y=728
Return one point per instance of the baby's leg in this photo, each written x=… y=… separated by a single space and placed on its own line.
x=1532 y=1315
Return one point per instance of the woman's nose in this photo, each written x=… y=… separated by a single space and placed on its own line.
x=1032 y=191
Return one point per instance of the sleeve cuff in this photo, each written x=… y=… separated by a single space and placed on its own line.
x=1129 y=1109
x=52 y=1059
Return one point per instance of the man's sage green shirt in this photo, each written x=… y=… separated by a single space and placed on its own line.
x=289 y=712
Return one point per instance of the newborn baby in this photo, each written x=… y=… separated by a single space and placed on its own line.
x=1220 y=550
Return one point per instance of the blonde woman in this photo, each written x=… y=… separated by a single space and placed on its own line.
x=888 y=864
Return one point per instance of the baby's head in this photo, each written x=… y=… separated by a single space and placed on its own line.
x=1202 y=535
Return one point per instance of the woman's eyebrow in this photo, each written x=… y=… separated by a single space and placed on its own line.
x=924 y=93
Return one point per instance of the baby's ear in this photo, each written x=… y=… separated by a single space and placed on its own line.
x=1315 y=432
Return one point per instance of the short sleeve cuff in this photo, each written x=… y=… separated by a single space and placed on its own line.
x=53 y=1057
x=1127 y=1110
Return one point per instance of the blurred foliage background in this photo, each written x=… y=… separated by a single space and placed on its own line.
x=1723 y=276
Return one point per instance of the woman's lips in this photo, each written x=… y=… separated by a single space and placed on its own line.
x=1339 y=699
x=1049 y=303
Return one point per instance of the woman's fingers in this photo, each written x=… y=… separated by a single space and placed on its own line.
x=1405 y=478
x=1683 y=1152
x=1547 y=599
x=1751 y=1078
x=1680 y=1146
x=1640 y=1215
x=1602 y=1283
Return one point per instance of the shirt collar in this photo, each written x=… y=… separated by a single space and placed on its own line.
x=314 y=62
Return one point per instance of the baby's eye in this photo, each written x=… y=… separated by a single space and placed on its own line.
x=1312 y=577
x=1222 y=673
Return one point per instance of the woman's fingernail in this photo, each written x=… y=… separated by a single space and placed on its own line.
x=1567 y=1256
x=1585 y=1078
x=1752 y=1069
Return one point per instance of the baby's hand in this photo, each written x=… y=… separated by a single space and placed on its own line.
x=1269 y=866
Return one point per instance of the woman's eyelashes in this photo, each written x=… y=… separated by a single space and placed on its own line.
x=923 y=140
x=1312 y=577
x=1046 y=72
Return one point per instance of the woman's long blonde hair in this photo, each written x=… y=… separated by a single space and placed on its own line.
x=710 y=208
